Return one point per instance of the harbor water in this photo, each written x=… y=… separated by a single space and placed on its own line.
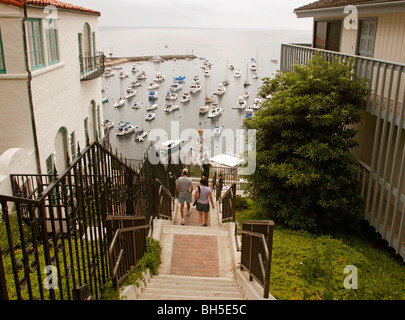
x=220 y=47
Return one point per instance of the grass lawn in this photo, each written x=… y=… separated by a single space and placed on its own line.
x=307 y=266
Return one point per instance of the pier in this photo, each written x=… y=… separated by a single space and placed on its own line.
x=119 y=60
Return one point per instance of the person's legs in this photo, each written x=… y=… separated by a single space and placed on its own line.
x=206 y=218
x=181 y=201
x=200 y=217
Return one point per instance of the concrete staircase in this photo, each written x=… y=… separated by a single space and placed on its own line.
x=174 y=287
x=197 y=262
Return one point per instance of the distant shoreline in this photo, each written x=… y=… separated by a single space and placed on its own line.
x=118 y=60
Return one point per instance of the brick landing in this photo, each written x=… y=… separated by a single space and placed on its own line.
x=194 y=255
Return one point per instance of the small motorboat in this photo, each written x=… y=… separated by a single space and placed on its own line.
x=204 y=109
x=241 y=104
x=255 y=75
x=150 y=117
x=257 y=102
x=105 y=100
x=249 y=115
x=175 y=87
x=221 y=89
x=225 y=82
x=153 y=86
x=171 y=95
x=119 y=103
x=140 y=135
x=123 y=123
x=135 y=68
x=136 y=83
x=156 y=59
x=136 y=105
x=207 y=72
x=246 y=94
x=141 y=76
x=194 y=88
x=152 y=107
x=108 y=73
x=130 y=93
x=159 y=77
x=186 y=97
x=215 y=112
x=249 y=109
x=123 y=74
x=246 y=83
x=217 y=130
x=237 y=73
x=153 y=95
x=129 y=128
x=171 y=107
x=108 y=124
x=170 y=145
x=179 y=79
x=231 y=66
x=253 y=65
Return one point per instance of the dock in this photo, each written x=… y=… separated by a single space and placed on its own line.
x=119 y=60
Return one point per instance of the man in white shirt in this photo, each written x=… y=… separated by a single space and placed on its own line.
x=185 y=188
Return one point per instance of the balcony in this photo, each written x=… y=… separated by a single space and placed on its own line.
x=381 y=136
x=91 y=67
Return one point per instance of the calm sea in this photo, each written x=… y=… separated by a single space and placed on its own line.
x=218 y=46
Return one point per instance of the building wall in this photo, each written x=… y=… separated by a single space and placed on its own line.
x=60 y=98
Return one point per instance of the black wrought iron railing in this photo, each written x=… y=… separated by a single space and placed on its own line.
x=227 y=204
x=165 y=201
x=91 y=67
x=257 y=243
x=55 y=237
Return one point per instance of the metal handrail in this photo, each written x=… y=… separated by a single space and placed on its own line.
x=114 y=266
x=265 y=273
x=160 y=198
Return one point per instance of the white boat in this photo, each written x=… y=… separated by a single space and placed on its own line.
x=123 y=123
x=209 y=100
x=253 y=65
x=129 y=128
x=221 y=89
x=255 y=75
x=105 y=100
x=170 y=145
x=108 y=124
x=246 y=94
x=249 y=109
x=225 y=82
x=171 y=107
x=175 y=87
x=150 y=117
x=152 y=107
x=237 y=73
x=196 y=79
x=246 y=83
x=136 y=105
x=141 y=76
x=186 y=97
x=194 y=88
x=207 y=72
x=156 y=59
x=135 y=68
x=215 y=112
x=108 y=74
x=217 y=130
x=179 y=79
x=159 y=77
x=123 y=74
x=119 y=103
x=153 y=95
x=257 y=103
x=117 y=68
x=171 y=95
x=141 y=134
x=130 y=93
x=241 y=103
x=153 y=86
x=136 y=83
x=204 y=109
x=231 y=66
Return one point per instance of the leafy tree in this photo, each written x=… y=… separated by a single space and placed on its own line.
x=305 y=172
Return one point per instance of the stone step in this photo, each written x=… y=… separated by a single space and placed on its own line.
x=195 y=230
x=168 y=287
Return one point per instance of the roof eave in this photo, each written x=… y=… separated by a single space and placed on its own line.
x=370 y=8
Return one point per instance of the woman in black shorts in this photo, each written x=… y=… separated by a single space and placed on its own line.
x=203 y=196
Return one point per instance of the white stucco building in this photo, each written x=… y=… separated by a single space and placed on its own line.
x=50 y=85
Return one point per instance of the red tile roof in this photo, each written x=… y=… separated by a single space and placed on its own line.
x=44 y=3
x=322 y=4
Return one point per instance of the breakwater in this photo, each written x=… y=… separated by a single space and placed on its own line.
x=119 y=60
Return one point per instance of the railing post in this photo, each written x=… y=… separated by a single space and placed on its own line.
x=3 y=284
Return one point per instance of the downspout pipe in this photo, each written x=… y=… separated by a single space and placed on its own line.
x=29 y=90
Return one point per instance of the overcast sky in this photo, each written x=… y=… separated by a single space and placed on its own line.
x=269 y=14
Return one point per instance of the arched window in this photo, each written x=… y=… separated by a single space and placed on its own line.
x=61 y=148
